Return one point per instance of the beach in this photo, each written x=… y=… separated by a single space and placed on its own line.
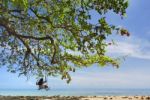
x=76 y=94
x=74 y=97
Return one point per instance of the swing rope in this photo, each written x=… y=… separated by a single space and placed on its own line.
x=44 y=71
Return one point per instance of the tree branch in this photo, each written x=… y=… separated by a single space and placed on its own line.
x=4 y=22
x=11 y=31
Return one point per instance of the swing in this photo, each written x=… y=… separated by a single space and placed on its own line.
x=42 y=83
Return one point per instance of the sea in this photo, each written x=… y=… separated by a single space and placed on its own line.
x=75 y=92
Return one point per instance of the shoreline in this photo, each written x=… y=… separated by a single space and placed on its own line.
x=74 y=97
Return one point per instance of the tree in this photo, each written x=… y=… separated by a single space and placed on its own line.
x=55 y=36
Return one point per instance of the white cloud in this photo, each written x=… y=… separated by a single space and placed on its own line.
x=134 y=47
x=115 y=79
x=97 y=80
x=131 y=47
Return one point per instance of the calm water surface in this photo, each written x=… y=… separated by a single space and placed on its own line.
x=74 y=92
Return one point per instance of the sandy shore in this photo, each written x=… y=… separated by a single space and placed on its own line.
x=75 y=98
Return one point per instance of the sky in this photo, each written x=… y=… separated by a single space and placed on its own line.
x=133 y=71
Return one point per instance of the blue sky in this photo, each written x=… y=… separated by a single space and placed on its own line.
x=133 y=72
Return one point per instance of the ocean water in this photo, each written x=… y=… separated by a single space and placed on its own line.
x=75 y=92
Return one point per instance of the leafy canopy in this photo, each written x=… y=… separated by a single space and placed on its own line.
x=56 y=36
